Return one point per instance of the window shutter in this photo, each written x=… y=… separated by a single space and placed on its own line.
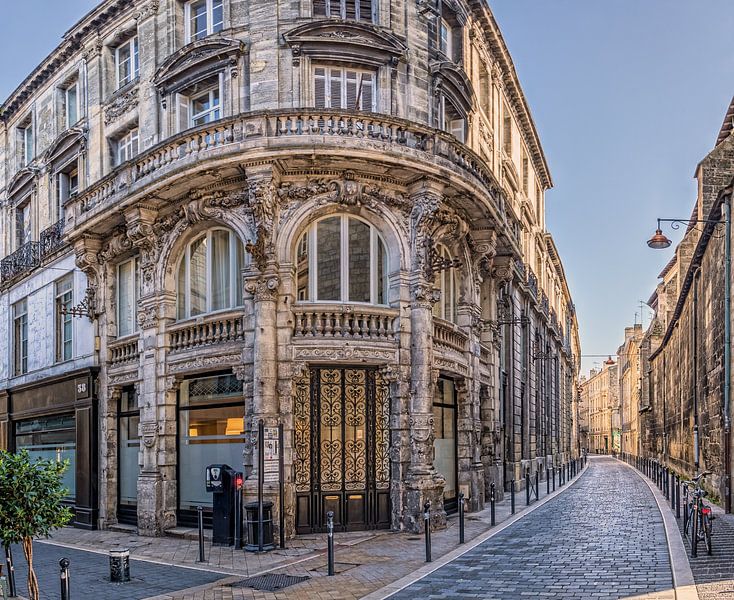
x=457 y=129
x=335 y=8
x=182 y=112
x=335 y=89
x=319 y=87
x=350 y=9
x=457 y=43
x=368 y=93
x=319 y=8
x=352 y=100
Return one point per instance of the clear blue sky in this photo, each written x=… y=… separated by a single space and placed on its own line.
x=628 y=96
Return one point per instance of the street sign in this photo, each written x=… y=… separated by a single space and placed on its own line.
x=271 y=455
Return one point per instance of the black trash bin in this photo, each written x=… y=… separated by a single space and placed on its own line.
x=253 y=529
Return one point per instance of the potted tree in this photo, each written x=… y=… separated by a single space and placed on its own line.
x=31 y=503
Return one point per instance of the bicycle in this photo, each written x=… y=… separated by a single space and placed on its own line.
x=697 y=515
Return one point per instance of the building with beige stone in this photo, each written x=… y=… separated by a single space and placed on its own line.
x=600 y=393
x=629 y=371
x=329 y=217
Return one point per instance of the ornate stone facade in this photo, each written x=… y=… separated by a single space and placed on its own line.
x=344 y=236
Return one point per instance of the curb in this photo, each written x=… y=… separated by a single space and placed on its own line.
x=427 y=569
x=684 y=585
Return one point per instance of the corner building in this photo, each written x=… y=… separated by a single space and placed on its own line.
x=329 y=216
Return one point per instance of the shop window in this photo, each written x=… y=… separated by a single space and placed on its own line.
x=64 y=323
x=23 y=223
x=71 y=104
x=128 y=294
x=211 y=431
x=209 y=274
x=342 y=259
x=201 y=103
x=203 y=18
x=356 y=10
x=20 y=337
x=125 y=147
x=444 y=443
x=51 y=438
x=128 y=422
x=127 y=64
x=446 y=283
x=343 y=88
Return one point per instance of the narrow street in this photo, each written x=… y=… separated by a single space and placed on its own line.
x=602 y=538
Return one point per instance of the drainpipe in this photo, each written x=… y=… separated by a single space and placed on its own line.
x=694 y=344
x=727 y=353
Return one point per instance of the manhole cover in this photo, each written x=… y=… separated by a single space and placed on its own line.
x=272 y=582
x=339 y=567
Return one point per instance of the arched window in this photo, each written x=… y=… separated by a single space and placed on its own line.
x=209 y=273
x=342 y=259
x=447 y=284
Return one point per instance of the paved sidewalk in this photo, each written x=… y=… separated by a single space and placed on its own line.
x=603 y=539
x=366 y=561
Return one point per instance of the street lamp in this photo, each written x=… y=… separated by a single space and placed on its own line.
x=660 y=241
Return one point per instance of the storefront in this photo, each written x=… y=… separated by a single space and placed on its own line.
x=128 y=452
x=445 y=443
x=57 y=419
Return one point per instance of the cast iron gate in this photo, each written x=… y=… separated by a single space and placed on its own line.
x=342 y=443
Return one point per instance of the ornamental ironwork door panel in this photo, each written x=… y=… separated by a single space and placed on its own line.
x=342 y=442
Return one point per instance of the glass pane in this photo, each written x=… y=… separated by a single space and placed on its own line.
x=129 y=448
x=181 y=297
x=359 y=261
x=207 y=436
x=123 y=64
x=328 y=255
x=197 y=276
x=302 y=268
x=198 y=20
x=240 y=264
x=381 y=273
x=208 y=390
x=220 y=270
x=125 y=300
x=331 y=429
x=71 y=106
x=217 y=16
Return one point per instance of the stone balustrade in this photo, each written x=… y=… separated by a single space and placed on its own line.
x=344 y=321
x=213 y=329
x=446 y=335
x=123 y=352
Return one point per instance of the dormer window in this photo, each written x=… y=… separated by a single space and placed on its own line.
x=355 y=10
x=203 y=18
x=127 y=65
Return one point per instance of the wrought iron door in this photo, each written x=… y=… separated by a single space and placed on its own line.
x=342 y=440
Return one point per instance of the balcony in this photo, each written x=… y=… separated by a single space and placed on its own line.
x=123 y=352
x=20 y=262
x=208 y=331
x=276 y=132
x=344 y=321
x=447 y=336
x=52 y=238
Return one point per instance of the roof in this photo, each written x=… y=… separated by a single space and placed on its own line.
x=668 y=267
x=727 y=125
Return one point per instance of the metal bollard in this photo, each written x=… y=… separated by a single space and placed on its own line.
x=330 y=540
x=553 y=477
x=200 y=518
x=527 y=487
x=667 y=484
x=427 y=527
x=492 y=499
x=512 y=496
x=547 y=481
x=677 y=498
x=461 y=514
x=11 y=572
x=65 y=584
x=537 y=484
x=672 y=491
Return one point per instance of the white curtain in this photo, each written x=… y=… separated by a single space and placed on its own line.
x=126 y=300
x=197 y=275
x=220 y=270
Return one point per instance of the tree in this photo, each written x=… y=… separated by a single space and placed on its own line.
x=31 y=503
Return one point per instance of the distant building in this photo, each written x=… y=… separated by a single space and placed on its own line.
x=600 y=394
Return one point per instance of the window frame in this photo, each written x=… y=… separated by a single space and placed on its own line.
x=63 y=188
x=27 y=142
x=214 y=113
x=372 y=4
x=63 y=299
x=135 y=287
x=134 y=58
x=20 y=230
x=311 y=232
x=67 y=105
x=125 y=142
x=343 y=83
x=20 y=337
x=210 y=25
x=446 y=282
x=235 y=292
x=445 y=38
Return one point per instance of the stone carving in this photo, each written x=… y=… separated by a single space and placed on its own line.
x=240 y=372
x=395 y=374
x=502 y=273
x=147 y=10
x=93 y=50
x=120 y=105
x=148 y=317
x=262 y=201
x=203 y=362
x=483 y=251
x=348 y=353
x=264 y=288
x=118 y=243
x=149 y=433
x=123 y=378
x=424 y=294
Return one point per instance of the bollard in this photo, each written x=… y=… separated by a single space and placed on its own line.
x=200 y=517
x=512 y=496
x=677 y=498
x=120 y=565
x=11 y=571
x=667 y=483
x=527 y=487
x=65 y=584
x=547 y=481
x=537 y=484
x=461 y=514
x=553 y=477
x=672 y=492
x=427 y=527
x=330 y=540
x=492 y=499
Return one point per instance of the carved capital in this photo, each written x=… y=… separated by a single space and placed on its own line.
x=147 y=317
x=264 y=289
x=393 y=373
x=424 y=295
x=149 y=433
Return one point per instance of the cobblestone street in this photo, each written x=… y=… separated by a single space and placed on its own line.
x=603 y=538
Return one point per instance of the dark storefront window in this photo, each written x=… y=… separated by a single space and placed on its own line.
x=210 y=431
x=444 y=444
x=51 y=438
x=129 y=447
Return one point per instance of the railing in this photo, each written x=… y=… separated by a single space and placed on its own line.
x=544 y=304
x=532 y=284
x=347 y=321
x=485 y=354
x=448 y=335
x=214 y=330
x=25 y=258
x=230 y=135
x=52 y=238
x=123 y=352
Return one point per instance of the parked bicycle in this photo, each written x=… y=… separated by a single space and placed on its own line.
x=697 y=516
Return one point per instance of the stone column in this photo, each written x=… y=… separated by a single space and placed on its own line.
x=423 y=482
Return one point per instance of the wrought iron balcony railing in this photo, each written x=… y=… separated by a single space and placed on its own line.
x=24 y=259
x=52 y=238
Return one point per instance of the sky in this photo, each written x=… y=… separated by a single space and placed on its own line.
x=627 y=95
